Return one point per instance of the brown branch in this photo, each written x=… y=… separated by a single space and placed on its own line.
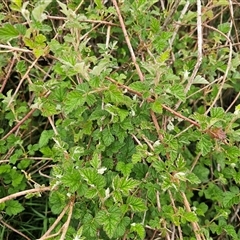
x=25 y=192
x=19 y=124
x=154 y=118
x=11 y=65
x=195 y=225
x=141 y=77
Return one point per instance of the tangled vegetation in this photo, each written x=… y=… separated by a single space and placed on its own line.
x=119 y=119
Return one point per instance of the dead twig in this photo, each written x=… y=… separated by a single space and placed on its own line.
x=141 y=77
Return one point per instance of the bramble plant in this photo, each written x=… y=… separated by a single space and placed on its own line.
x=119 y=120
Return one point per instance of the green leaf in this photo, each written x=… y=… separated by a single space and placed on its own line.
x=109 y=219
x=217 y=112
x=13 y=207
x=107 y=137
x=91 y=193
x=72 y=180
x=157 y=106
x=124 y=184
x=16 y=178
x=190 y=216
x=121 y=227
x=74 y=99
x=200 y=80
x=139 y=229
x=16 y=5
x=93 y=178
x=202 y=173
x=136 y=204
x=205 y=144
x=139 y=86
x=8 y=32
x=229 y=199
x=38 y=11
x=89 y=225
x=57 y=202
x=124 y=168
x=230 y=230
x=224 y=27
x=178 y=91
x=46 y=135
x=192 y=178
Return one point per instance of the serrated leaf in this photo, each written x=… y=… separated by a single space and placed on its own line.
x=13 y=207
x=192 y=178
x=46 y=135
x=230 y=230
x=190 y=216
x=217 y=112
x=124 y=168
x=8 y=32
x=122 y=114
x=16 y=179
x=74 y=99
x=229 y=199
x=139 y=86
x=224 y=27
x=93 y=178
x=136 y=204
x=136 y=157
x=178 y=91
x=90 y=225
x=157 y=106
x=107 y=137
x=72 y=180
x=121 y=227
x=57 y=202
x=109 y=219
x=124 y=184
x=139 y=229
x=38 y=11
x=200 y=80
x=205 y=144
x=91 y=193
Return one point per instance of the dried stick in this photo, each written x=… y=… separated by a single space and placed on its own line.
x=11 y=64
x=170 y=14
x=66 y=224
x=21 y=81
x=25 y=192
x=195 y=225
x=200 y=43
x=15 y=48
x=141 y=77
x=227 y=69
x=178 y=24
x=14 y=230
x=19 y=124
x=154 y=118
x=45 y=236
